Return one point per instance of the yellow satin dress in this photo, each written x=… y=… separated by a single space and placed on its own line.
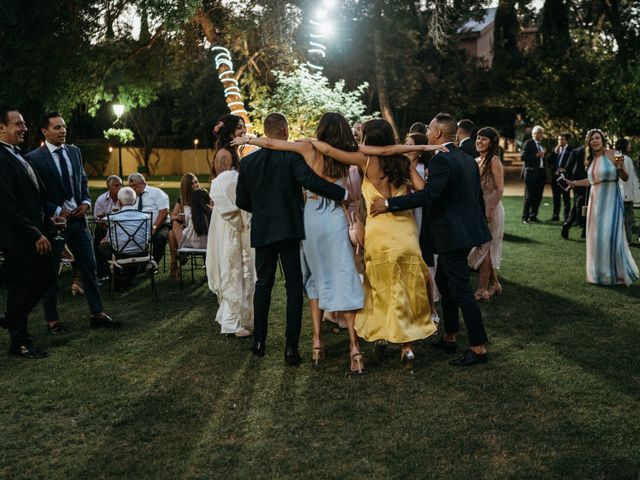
x=396 y=306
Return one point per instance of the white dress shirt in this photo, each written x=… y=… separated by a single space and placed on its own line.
x=70 y=204
x=540 y=149
x=104 y=205
x=153 y=200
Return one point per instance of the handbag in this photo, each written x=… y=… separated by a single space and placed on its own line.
x=356 y=226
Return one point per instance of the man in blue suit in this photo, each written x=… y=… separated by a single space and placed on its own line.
x=456 y=223
x=67 y=194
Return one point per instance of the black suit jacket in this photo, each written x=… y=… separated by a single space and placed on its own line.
x=42 y=161
x=532 y=170
x=468 y=147
x=22 y=204
x=456 y=213
x=575 y=164
x=553 y=159
x=269 y=187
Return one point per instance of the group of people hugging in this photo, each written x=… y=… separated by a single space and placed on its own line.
x=374 y=232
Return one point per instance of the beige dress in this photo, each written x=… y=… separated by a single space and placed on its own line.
x=496 y=227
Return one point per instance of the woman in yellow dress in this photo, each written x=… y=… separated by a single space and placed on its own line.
x=396 y=305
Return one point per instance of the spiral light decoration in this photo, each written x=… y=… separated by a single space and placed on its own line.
x=232 y=93
x=320 y=30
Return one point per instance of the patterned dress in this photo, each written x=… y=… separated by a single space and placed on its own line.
x=609 y=260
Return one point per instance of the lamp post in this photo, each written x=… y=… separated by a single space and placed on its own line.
x=195 y=152
x=118 y=109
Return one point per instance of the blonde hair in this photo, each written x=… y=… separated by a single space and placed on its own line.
x=588 y=154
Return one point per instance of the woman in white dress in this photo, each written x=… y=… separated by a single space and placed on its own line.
x=230 y=258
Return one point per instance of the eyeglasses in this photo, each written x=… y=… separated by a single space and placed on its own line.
x=17 y=124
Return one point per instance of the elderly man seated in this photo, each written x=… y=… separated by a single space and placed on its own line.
x=132 y=233
x=156 y=202
x=105 y=205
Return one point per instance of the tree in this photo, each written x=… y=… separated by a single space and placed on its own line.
x=303 y=97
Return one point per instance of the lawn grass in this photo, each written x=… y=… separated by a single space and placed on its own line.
x=169 y=397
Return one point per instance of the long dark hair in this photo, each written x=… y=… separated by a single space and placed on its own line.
x=334 y=129
x=421 y=139
x=186 y=188
x=588 y=154
x=200 y=211
x=493 y=151
x=378 y=132
x=223 y=133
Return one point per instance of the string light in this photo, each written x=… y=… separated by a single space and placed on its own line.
x=224 y=65
x=321 y=29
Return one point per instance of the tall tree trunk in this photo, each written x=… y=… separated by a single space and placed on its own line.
x=381 y=83
x=233 y=96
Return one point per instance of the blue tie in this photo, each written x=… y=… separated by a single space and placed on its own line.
x=64 y=173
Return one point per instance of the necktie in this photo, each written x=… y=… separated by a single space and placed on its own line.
x=64 y=173
x=26 y=165
x=140 y=202
x=560 y=158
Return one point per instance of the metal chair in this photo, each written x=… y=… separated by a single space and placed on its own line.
x=129 y=239
x=193 y=254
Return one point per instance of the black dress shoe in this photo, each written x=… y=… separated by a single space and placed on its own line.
x=292 y=357
x=104 y=321
x=469 y=358
x=564 y=233
x=555 y=218
x=3 y=321
x=57 y=328
x=258 y=348
x=27 y=351
x=448 y=347
x=534 y=220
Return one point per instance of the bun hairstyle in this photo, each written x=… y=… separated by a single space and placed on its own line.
x=378 y=132
x=223 y=134
x=493 y=151
x=588 y=154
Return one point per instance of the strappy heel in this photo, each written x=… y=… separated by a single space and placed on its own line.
x=357 y=363
x=482 y=296
x=407 y=358
x=495 y=289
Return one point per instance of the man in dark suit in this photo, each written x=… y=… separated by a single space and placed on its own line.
x=466 y=140
x=60 y=167
x=27 y=251
x=269 y=186
x=558 y=162
x=576 y=171
x=457 y=223
x=532 y=156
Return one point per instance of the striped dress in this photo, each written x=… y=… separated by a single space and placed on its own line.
x=609 y=260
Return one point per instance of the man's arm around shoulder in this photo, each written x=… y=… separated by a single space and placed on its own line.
x=437 y=182
x=243 y=199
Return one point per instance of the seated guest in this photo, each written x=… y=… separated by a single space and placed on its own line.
x=104 y=205
x=188 y=183
x=132 y=219
x=156 y=202
x=197 y=219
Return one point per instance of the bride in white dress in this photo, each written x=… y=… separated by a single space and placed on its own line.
x=230 y=258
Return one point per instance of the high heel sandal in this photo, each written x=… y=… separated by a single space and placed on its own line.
x=495 y=289
x=76 y=290
x=407 y=359
x=357 y=359
x=482 y=296
x=317 y=354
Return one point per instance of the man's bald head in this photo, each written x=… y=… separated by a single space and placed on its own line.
x=442 y=129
